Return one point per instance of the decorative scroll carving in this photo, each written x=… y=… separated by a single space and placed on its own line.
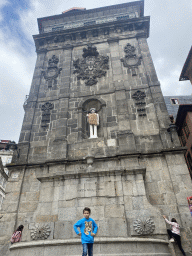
x=46 y=114
x=140 y=109
x=52 y=71
x=25 y=102
x=140 y=103
x=92 y=66
x=131 y=60
x=144 y=227
x=139 y=95
x=40 y=232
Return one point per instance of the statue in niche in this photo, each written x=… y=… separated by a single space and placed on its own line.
x=93 y=120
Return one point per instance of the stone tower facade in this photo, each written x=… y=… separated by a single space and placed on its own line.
x=130 y=174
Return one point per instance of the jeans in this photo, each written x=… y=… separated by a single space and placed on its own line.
x=177 y=238
x=88 y=247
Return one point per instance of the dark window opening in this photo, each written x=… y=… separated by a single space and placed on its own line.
x=175 y=101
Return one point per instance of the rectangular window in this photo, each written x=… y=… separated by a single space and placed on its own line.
x=126 y=17
x=175 y=101
x=58 y=28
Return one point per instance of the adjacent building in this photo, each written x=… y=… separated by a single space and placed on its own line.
x=180 y=107
x=184 y=126
x=186 y=73
x=173 y=103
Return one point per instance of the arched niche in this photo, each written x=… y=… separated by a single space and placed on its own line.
x=84 y=108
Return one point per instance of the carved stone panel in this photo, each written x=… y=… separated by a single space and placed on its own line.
x=40 y=232
x=92 y=66
x=139 y=97
x=46 y=114
x=131 y=60
x=52 y=72
x=144 y=227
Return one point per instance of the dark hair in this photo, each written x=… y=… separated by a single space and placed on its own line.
x=87 y=209
x=20 y=228
x=173 y=220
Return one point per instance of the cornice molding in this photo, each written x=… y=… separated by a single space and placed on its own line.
x=84 y=12
x=138 y=27
x=163 y=152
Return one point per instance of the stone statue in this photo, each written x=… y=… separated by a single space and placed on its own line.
x=93 y=120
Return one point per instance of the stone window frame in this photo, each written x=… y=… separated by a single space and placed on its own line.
x=174 y=101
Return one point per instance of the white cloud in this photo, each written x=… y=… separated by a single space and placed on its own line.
x=16 y=69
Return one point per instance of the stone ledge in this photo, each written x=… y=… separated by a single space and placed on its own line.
x=56 y=242
x=176 y=150
x=91 y=172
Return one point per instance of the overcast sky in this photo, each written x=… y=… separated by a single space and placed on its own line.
x=169 y=43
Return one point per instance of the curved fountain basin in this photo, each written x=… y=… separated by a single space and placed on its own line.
x=102 y=246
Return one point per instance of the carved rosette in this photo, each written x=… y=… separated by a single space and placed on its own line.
x=145 y=227
x=46 y=114
x=40 y=232
x=92 y=66
x=52 y=71
x=131 y=60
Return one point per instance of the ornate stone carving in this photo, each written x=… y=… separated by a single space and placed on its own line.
x=92 y=66
x=140 y=103
x=131 y=60
x=52 y=71
x=139 y=95
x=40 y=232
x=46 y=113
x=141 y=110
x=144 y=227
x=25 y=102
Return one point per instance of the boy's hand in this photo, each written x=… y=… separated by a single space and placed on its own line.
x=79 y=234
x=92 y=234
x=164 y=216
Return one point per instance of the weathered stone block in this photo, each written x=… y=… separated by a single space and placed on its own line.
x=114 y=211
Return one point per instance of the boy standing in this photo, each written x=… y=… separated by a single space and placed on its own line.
x=88 y=229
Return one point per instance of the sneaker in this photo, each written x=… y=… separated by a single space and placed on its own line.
x=171 y=240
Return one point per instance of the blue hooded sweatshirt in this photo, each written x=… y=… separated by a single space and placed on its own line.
x=87 y=226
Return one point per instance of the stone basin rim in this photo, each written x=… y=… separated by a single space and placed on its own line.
x=56 y=242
